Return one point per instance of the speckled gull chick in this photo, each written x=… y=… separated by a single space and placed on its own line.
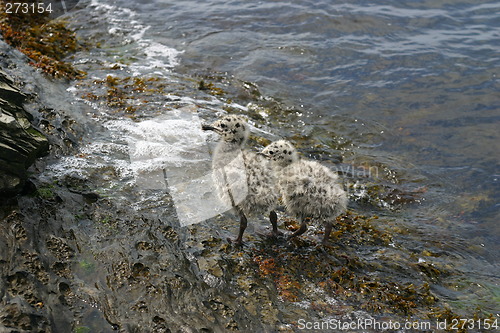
x=308 y=189
x=243 y=178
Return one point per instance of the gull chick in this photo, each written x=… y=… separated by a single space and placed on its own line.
x=243 y=179
x=308 y=189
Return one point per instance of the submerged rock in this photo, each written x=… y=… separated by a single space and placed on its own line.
x=20 y=142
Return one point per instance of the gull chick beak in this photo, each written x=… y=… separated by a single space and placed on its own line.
x=262 y=154
x=206 y=127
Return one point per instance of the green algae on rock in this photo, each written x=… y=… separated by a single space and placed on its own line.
x=125 y=95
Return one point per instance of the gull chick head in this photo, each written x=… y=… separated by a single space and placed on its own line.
x=233 y=129
x=281 y=152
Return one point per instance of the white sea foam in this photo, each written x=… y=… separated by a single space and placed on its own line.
x=168 y=153
x=123 y=23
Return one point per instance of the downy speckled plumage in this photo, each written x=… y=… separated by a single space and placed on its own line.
x=243 y=178
x=309 y=190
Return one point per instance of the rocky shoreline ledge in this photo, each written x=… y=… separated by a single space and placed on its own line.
x=45 y=43
x=20 y=142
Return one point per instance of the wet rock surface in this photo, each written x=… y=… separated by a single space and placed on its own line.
x=20 y=142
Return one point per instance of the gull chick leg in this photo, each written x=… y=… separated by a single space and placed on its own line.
x=243 y=226
x=328 y=230
x=274 y=221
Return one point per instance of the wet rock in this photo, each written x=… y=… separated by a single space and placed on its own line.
x=59 y=248
x=20 y=142
x=19 y=317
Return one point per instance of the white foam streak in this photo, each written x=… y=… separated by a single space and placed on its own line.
x=157 y=58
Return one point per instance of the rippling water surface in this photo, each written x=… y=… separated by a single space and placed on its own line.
x=406 y=91
x=412 y=85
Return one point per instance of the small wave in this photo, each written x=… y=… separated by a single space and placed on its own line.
x=153 y=57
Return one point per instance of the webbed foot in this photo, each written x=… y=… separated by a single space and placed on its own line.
x=235 y=242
